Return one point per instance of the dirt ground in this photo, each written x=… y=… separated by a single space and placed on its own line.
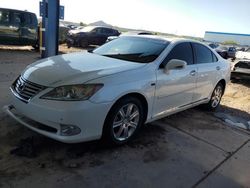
x=193 y=148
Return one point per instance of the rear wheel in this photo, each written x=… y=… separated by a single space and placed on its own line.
x=216 y=97
x=123 y=121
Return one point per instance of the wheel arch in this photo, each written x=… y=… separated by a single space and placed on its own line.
x=223 y=82
x=139 y=96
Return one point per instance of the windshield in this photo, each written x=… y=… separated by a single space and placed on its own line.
x=142 y=50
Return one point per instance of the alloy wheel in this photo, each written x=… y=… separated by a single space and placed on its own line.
x=216 y=96
x=126 y=121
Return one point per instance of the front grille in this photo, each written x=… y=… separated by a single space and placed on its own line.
x=25 y=90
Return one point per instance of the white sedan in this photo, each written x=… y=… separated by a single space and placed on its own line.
x=111 y=92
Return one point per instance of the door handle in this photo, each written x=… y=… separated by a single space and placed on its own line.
x=218 y=68
x=192 y=73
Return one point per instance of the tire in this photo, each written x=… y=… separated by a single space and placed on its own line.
x=84 y=43
x=36 y=46
x=123 y=121
x=215 y=98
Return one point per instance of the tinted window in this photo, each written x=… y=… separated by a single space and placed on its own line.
x=143 y=50
x=33 y=20
x=232 y=49
x=4 y=16
x=16 y=18
x=107 y=31
x=27 y=19
x=203 y=54
x=98 y=30
x=181 y=51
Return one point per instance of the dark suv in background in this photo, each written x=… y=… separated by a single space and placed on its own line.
x=18 y=28
x=90 y=35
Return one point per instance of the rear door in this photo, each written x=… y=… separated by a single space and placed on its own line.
x=28 y=33
x=95 y=36
x=15 y=27
x=175 y=89
x=208 y=68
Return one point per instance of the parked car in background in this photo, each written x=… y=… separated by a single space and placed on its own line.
x=90 y=35
x=18 y=27
x=226 y=52
x=130 y=33
x=243 y=54
x=71 y=26
x=63 y=31
x=112 y=91
x=213 y=45
x=241 y=70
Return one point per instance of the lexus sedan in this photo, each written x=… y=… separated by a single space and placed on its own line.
x=111 y=92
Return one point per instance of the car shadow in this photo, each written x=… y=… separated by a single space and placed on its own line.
x=242 y=82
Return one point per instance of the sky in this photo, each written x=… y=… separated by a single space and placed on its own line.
x=181 y=17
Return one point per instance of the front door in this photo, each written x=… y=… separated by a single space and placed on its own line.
x=175 y=89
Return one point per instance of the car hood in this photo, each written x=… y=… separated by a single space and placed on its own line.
x=74 y=68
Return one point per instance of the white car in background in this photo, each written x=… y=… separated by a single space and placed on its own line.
x=243 y=54
x=111 y=92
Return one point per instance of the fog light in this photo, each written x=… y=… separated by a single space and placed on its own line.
x=69 y=130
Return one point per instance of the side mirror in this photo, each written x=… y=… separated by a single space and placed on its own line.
x=175 y=64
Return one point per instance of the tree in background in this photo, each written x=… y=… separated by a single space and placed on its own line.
x=230 y=42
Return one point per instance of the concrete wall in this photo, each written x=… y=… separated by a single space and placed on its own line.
x=242 y=39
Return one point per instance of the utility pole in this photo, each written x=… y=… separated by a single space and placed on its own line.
x=50 y=12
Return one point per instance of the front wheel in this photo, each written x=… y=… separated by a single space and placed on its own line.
x=216 y=97
x=123 y=121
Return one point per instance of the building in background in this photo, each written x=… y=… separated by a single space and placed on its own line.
x=227 y=38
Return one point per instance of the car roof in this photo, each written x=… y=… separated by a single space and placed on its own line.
x=96 y=26
x=15 y=10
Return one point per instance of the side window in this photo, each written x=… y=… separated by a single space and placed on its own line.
x=98 y=30
x=33 y=20
x=17 y=18
x=215 y=59
x=203 y=54
x=27 y=19
x=182 y=51
x=4 y=17
x=104 y=31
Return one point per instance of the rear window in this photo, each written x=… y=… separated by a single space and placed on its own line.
x=136 y=49
x=27 y=19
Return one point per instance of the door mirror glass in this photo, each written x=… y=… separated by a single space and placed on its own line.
x=175 y=64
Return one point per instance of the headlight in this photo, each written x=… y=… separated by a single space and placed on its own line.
x=73 y=92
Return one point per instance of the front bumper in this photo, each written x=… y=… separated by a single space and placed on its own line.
x=45 y=117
